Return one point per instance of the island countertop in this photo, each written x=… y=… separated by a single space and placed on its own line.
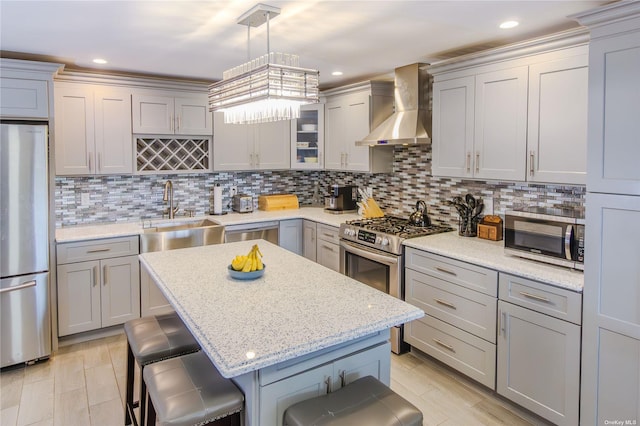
x=296 y=308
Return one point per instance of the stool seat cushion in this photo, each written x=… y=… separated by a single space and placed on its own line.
x=189 y=390
x=366 y=401
x=158 y=337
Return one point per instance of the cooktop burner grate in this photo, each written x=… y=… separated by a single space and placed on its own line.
x=398 y=226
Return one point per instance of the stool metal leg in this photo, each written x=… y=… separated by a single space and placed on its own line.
x=129 y=414
x=143 y=400
x=151 y=412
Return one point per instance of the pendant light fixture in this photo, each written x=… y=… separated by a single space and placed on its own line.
x=269 y=88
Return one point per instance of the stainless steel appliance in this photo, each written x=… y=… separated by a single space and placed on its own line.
x=341 y=198
x=371 y=252
x=253 y=231
x=25 y=319
x=549 y=235
x=242 y=203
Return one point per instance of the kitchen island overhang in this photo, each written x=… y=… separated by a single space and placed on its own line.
x=298 y=317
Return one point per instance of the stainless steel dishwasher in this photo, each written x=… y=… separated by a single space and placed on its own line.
x=252 y=231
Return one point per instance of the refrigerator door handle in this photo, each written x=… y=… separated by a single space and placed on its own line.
x=19 y=287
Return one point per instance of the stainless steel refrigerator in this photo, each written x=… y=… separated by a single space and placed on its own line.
x=25 y=319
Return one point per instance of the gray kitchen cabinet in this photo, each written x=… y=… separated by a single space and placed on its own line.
x=514 y=113
x=92 y=129
x=290 y=235
x=24 y=88
x=459 y=300
x=276 y=397
x=98 y=284
x=307 y=141
x=351 y=112
x=328 y=246
x=171 y=113
x=152 y=301
x=309 y=240
x=263 y=146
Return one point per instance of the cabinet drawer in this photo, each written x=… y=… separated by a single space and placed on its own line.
x=454 y=271
x=467 y=309
x=328 y=233
x=544 y=298
x=465 y=352
x=80 y=251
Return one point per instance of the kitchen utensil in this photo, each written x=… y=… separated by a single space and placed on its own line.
x=419 y=217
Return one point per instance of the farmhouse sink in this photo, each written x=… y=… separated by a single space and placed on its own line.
x=177 y=235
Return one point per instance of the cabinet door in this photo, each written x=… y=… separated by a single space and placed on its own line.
x=538 y=363
x=373 y=362
x=74 y=130
x=272 y=145
x=152 y=301
x=290 y=236
x=500 y=133
x=23 y=98
x=113 y=138
x=309 y=239
x=78 y=297
x=334 y=155
x=557 y=129
x=328 y=254
x=452 y=143
x=614 y=87
x=120 y=294
x=307 y=142
x=277 y=397
x=193 y=116
x=611 y=310
x=153 y=114
x=232 y=145
x=356 y=114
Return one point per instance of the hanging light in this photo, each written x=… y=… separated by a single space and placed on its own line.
x=269 y=88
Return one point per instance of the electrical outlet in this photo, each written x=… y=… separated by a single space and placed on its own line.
x=233 y=191
x=84 y=199
x=488 y=206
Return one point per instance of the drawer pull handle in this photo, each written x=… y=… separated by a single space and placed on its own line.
x=328 y=383
x=98 y=250
x=446 y=271
x=343 y=378
x=535 y=297
x=444 y=345
x=445 y=303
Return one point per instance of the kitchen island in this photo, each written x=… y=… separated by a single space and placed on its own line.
x=299 y=331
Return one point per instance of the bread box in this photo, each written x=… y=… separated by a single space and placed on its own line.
x=277 y=202
x=490 y=228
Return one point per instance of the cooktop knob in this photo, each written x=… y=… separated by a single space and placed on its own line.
x=385 y=241
x=378 y=240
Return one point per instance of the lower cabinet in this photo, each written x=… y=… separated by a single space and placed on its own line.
x=99 y=292
x=328 y=246
x=276 y=397
x=309 y=245
x=152 y=301
x=290 y=235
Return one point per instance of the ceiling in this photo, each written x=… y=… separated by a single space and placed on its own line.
x=200 y=39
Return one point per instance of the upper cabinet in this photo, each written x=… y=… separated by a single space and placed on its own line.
x=92 y=129
x=169 y=115
x=263 y=146
x=351 y=112
x=307 y=138
x=516 y=113
x=24 y=88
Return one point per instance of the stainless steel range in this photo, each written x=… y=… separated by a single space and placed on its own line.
x=371 y=252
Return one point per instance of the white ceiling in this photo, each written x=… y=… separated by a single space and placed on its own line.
x=201 y=39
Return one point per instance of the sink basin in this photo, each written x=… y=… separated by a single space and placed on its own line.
x=172 y=235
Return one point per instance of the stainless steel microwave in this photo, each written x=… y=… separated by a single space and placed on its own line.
x=546 y=234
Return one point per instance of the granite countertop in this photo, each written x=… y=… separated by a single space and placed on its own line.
x=297 y=307
x=89 y=232
x=491 y=254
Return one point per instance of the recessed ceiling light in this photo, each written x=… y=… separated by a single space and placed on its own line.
x=336 y=73
x=509 y=24
x=100 y=61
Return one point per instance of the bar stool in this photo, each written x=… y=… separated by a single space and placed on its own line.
x=366 y=401
x=188 y=391
x=149 y=340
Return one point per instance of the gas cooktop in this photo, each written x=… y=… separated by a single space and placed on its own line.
x=386 y=233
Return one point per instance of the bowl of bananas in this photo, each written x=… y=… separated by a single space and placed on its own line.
x=247 y=267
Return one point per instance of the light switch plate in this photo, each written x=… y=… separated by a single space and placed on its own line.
x=488 y=206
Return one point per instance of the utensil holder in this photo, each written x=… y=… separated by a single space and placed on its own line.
x=468 y=226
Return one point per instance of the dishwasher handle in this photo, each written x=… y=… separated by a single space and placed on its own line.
x=18 y=287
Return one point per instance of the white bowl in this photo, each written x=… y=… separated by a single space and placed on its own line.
x=310 y=159
x=309 y=127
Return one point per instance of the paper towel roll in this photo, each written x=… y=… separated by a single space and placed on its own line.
x=217 y=199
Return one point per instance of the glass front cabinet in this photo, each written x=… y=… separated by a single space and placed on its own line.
x=307 y=138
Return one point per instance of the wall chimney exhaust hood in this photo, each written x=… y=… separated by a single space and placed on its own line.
x=411 y=123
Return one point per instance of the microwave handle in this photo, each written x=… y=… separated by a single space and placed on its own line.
x=568 y=237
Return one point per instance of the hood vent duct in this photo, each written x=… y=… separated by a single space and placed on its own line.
x=411 y=123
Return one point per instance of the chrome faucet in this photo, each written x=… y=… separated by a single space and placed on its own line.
x=168 y=196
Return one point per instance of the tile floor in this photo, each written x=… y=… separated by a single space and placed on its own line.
x=83 y=384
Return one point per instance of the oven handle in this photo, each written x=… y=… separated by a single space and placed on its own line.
x=369 y=254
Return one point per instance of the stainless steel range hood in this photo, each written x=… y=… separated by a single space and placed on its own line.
x=411 y=123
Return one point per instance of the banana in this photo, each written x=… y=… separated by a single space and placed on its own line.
x=250 y=262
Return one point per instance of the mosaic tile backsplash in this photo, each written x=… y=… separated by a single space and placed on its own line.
x=131 y=198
